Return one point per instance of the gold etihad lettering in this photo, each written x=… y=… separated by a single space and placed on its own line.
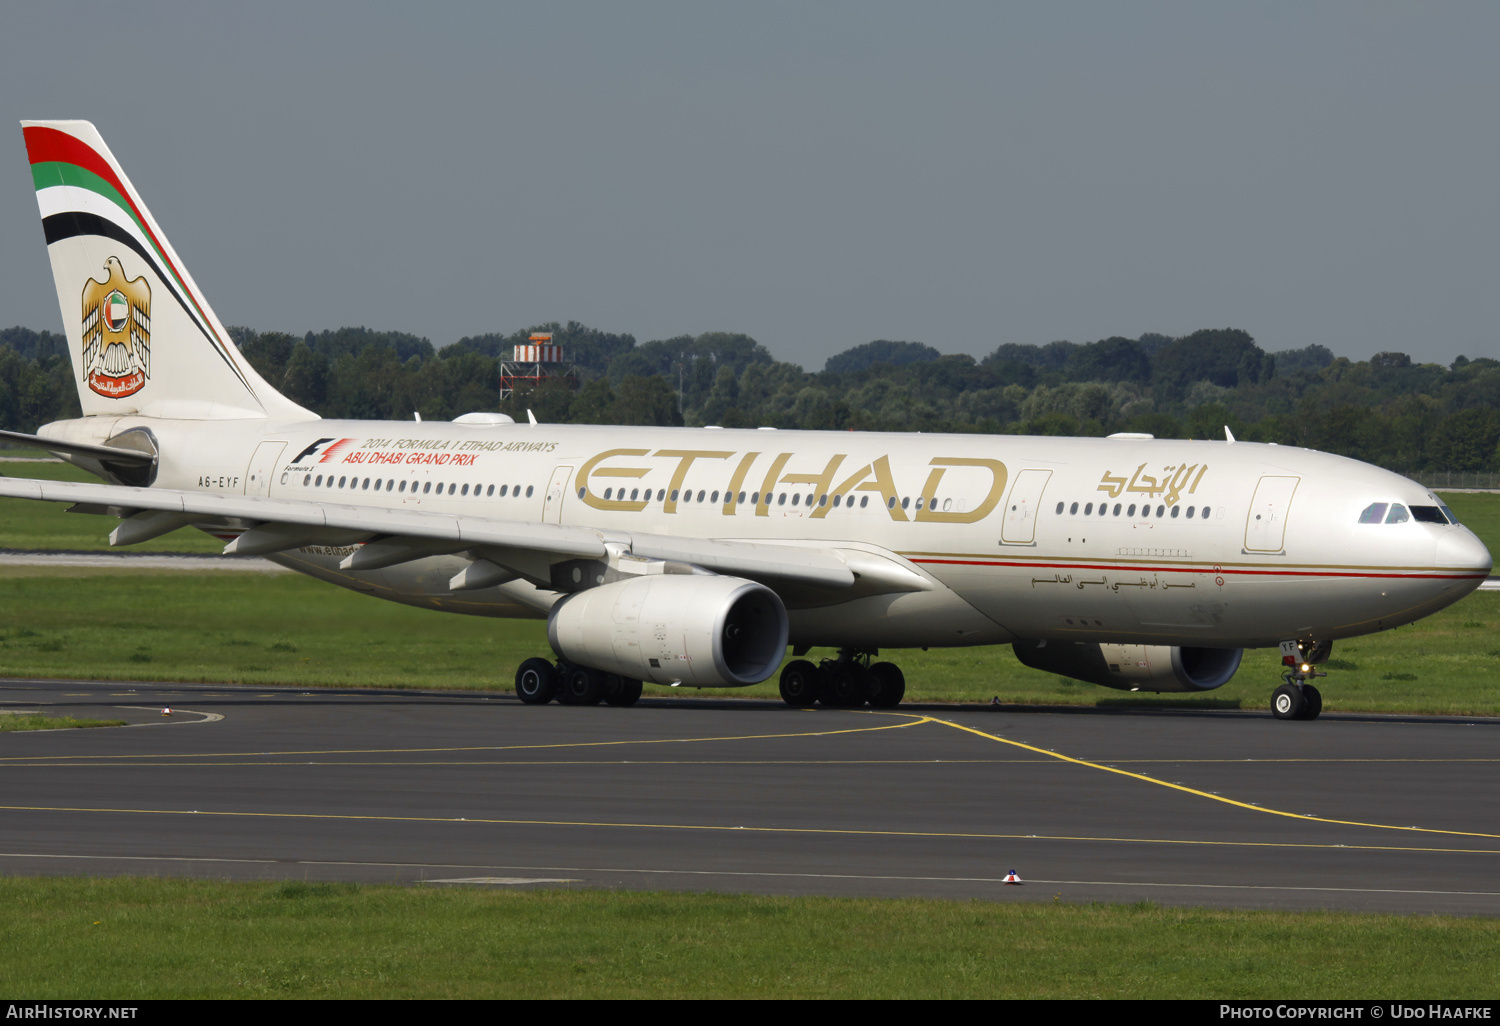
x=1168 y=486
x=819 y=482
x=685 y=459
x=875 y=476
x=941 y=465
x=880 y=482
x=763 y=507
x=736 y=481
x=592 y=467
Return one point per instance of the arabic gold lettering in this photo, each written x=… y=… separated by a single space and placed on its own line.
x=1174 y=490
x=1134 y=487
x=1197 y=479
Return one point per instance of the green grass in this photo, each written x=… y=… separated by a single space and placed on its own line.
x=127 y=938
x=22 y=721
x=285 y=629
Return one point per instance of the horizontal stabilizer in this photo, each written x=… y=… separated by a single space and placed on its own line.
x=101 y=452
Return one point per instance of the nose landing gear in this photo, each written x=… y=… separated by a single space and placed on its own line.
x=1297 y=699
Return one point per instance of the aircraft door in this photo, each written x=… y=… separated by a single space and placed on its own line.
x=262 y=466
x=557 y=489
x=1021 y=509
x=1265 y=526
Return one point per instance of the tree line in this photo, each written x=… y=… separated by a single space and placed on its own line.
x=1410 y=417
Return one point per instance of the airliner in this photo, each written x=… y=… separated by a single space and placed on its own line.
x=696 y=556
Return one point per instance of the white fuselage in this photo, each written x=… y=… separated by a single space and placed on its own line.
x=1210 y=544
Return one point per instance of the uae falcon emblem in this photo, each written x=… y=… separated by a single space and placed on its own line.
x=116 y=333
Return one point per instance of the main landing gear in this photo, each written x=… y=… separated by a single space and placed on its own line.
x=1297 y=699
x=847 y=682
x=539 y=681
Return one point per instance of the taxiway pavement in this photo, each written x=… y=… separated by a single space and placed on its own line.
x=1210 y=808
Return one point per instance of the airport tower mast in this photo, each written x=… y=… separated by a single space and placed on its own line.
x=534 y=362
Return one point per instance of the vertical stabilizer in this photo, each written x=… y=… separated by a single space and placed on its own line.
x=141 y=336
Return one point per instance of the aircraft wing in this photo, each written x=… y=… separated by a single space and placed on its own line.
x=391 y=536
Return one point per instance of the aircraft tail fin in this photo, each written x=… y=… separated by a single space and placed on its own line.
x=142 y=337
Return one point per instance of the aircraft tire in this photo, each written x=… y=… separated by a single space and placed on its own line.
x=582 y=686
x=886 y=686
x=536 y=682
x=622 y=691
x=843 y=687
x=801 y=684
x=1287 y=703
x=1313 y=699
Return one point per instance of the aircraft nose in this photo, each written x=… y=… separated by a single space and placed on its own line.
x=1462 y=549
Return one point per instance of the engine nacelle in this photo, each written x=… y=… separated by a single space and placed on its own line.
x=695 y=629
x=1134 y=667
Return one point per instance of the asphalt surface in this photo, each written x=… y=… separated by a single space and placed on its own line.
x=1215 y=808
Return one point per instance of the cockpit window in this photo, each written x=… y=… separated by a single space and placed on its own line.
x=1374 y=513
x=1428 y=515
x=1397 y=514
x=1449 y=514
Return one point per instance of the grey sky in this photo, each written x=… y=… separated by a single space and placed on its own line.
x=816 y=175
